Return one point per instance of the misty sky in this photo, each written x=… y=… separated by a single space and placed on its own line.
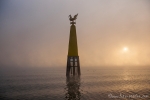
x=36 y=32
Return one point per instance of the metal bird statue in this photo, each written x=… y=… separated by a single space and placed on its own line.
x=74 y=18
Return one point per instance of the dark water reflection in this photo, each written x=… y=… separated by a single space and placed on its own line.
x=93 y=84
x=73 y=88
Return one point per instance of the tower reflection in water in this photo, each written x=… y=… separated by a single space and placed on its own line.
x=73 y=88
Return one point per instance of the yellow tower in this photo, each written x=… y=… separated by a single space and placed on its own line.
x=73 y=47
x=73 y=65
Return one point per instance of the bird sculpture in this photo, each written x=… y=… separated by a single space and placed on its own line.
x=74 y=18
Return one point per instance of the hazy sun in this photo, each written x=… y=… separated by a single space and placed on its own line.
x=125 y=49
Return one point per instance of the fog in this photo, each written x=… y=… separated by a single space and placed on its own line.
x=36 y=33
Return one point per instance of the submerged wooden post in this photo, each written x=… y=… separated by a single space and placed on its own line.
x=73 y=64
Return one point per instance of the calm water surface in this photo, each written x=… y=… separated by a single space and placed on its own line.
x=93 y=84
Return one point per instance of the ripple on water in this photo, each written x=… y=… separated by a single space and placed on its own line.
x=92 y=85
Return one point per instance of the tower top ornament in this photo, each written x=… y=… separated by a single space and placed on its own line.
x=73 y=19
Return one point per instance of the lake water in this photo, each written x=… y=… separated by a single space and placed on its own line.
x=93 y=84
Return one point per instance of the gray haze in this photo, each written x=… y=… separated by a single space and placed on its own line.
x=36 y=32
